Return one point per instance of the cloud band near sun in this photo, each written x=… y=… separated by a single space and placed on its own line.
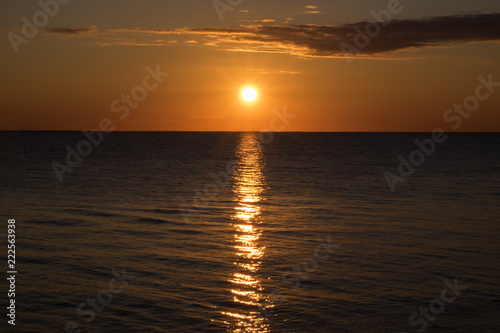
x=330 y=41
x=312 y=40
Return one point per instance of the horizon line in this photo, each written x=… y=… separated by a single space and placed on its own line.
x=170 y=131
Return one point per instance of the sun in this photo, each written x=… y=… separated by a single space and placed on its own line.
x=249 y=94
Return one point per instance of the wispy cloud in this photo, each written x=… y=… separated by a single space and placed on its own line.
x=70 y=31
x=63 y=31
x=312 y=9
x=259 y=21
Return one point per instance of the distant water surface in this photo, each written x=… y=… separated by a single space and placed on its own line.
x=224 y=233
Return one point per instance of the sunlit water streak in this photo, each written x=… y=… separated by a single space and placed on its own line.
x=247 y=291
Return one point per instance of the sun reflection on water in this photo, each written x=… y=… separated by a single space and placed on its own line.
x=246 y=286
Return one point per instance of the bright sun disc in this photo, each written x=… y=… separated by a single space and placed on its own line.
x=249 y=94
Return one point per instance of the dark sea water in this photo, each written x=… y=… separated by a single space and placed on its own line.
x=222 y=232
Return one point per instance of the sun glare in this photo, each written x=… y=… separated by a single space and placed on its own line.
x=249 y=94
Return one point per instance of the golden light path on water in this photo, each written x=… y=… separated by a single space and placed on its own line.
x=246 y=286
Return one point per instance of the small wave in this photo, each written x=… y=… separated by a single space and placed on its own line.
x=165 y=211
x=102 y=214
x=149 y=220
x=187 y=232
x=61 y=222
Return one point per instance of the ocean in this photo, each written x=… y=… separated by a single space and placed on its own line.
x=245 y=232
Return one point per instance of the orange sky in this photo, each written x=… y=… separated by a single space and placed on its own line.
x=68 y=75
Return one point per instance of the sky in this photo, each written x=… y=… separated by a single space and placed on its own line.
x=328 y=65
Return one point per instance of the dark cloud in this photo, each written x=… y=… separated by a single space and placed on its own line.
x=334 y=41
